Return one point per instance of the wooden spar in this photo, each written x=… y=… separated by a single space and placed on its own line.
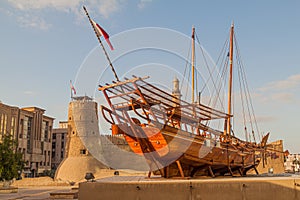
x=193 y=64
x=100 y=42
x=228 y=131
x=156 y=95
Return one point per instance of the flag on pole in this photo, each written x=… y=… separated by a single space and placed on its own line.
x=72 y=88
x=101 y=32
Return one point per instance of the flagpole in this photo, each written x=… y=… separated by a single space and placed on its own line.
x=71 y=89
x=107 y=57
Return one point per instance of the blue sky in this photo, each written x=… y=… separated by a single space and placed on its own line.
x=44 y=44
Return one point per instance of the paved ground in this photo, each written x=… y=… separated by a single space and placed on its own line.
x=34 y=193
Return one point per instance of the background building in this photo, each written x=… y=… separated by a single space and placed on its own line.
x=33 y=131
x=292 y=163
x=59 y=140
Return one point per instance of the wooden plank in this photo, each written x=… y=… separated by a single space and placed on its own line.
x=211 y=172
x=180 y=168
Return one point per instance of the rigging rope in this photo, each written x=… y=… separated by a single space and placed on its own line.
x=247 y=93
x=208 y=69
x=223 y=77
x=242 y=100
x=246 y=102
x=184 y=73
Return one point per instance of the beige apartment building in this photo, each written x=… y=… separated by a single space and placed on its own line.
x=59 y=140
x=33 y=131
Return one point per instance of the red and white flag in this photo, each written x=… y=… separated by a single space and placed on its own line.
x=101 y=32
x=72 y=87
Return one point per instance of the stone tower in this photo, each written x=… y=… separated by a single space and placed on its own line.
x=82 y=128
x=176 y=91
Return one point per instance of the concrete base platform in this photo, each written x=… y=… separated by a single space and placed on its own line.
x=64 y=195
x=7 y=190
x=239 y=188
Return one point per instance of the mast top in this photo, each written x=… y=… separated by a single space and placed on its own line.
x=193 y=32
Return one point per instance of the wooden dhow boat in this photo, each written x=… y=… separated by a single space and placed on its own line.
x=172 y=134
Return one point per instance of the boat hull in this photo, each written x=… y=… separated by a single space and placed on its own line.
x=178 y=153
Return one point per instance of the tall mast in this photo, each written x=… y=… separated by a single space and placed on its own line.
x=193 y=64
x=99 y=40
x=230 y=79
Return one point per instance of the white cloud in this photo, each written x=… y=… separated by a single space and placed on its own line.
x=143 y=3
x=289 y=83
x=283 y=97
x=28 y=92
x=104 y=7
x=63 y=5
x=265 y=119
x=29 y=13
x=281 y=91
x=7 y=12
x=29 y=21
x=274 y=97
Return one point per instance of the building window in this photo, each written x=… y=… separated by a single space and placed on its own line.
x=82 y=151
x=28 y=132
x=43 y=131
x=4 y=124
x=12 y=131
x=21 y=129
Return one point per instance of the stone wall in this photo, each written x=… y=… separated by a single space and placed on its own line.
x=275 y=188
x=273 y=159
